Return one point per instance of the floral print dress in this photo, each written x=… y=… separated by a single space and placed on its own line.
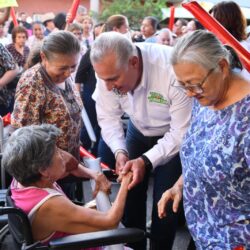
x=38 y=100
x=7 y=63
x=216 y=168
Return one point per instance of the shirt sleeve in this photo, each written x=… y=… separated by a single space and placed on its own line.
x=29 y=101
x=180 y=114
x=6 y=59
x=109 y=112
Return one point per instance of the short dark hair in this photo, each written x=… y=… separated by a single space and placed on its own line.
x=18 y=29
x=60 y=20
x=154 y=22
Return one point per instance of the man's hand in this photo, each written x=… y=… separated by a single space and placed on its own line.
x=121 y=160
x=137 y=167
x=175 y=194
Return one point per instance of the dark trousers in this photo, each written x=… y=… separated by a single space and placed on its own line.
x=162 y=230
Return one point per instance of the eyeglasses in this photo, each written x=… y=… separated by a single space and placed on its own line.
x=195 y=88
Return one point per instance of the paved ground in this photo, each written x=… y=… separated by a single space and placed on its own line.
x=182 y=237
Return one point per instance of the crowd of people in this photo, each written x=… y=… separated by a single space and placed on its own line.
x=186 y=98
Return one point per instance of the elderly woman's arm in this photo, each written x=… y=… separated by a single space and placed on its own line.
x=101 y=181
x=174 y=194
x=73 y=167
x=8 y=77
x=60 y=214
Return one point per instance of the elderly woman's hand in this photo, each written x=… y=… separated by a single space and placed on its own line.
x=125 y=179
x=175 y=194
x=102 y=184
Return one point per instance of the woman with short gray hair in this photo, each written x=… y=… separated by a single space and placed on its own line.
x=45 y=94
x=215 y=152
x=36 y=163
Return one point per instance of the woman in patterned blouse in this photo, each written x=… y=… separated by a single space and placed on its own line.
x=8 y=72
x=215 y=153
x=17 y=48
x=45 y=94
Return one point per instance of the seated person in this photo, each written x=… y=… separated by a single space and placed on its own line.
x=32 y=158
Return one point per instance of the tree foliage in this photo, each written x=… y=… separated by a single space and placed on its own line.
x=134 y=10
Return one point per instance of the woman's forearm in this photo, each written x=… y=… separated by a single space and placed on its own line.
x=115 y=213
x=8 y=77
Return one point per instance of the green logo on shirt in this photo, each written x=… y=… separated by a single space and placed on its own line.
x=156 y=97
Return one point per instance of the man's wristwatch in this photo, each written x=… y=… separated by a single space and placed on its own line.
x=147 y=162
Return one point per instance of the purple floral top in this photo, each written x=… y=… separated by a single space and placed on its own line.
x=216 y=167
x=19 y=58
x=6 y=63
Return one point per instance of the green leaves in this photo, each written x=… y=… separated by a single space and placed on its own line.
x=134 y=10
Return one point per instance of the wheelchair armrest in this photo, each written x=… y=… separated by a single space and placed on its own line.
x=95 y=239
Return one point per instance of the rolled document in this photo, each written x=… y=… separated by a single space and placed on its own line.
x=102 y=199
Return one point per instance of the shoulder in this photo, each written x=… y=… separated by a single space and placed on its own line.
x=156 y=57
x=31 y=79
x=154 y=51
x=32 y=74
x=10 y=46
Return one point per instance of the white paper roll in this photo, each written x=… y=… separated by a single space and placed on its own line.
x=102 y=199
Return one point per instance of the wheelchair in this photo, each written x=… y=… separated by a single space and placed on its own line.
x=17 y=234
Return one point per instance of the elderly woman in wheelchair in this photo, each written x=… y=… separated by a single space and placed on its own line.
x=32 y=158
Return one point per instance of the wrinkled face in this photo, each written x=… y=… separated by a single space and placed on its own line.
x=60 y=66
x=57 y=168
x=164 y=38
x=147 y=29
x=122 y=79
x=213 y=84
x=21 y=38
x=38 y=31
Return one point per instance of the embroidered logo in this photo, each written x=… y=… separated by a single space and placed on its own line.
x=156 y=97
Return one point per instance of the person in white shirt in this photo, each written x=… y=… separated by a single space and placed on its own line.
x=138 y=79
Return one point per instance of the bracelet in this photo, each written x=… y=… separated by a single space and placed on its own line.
x=120 y=151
